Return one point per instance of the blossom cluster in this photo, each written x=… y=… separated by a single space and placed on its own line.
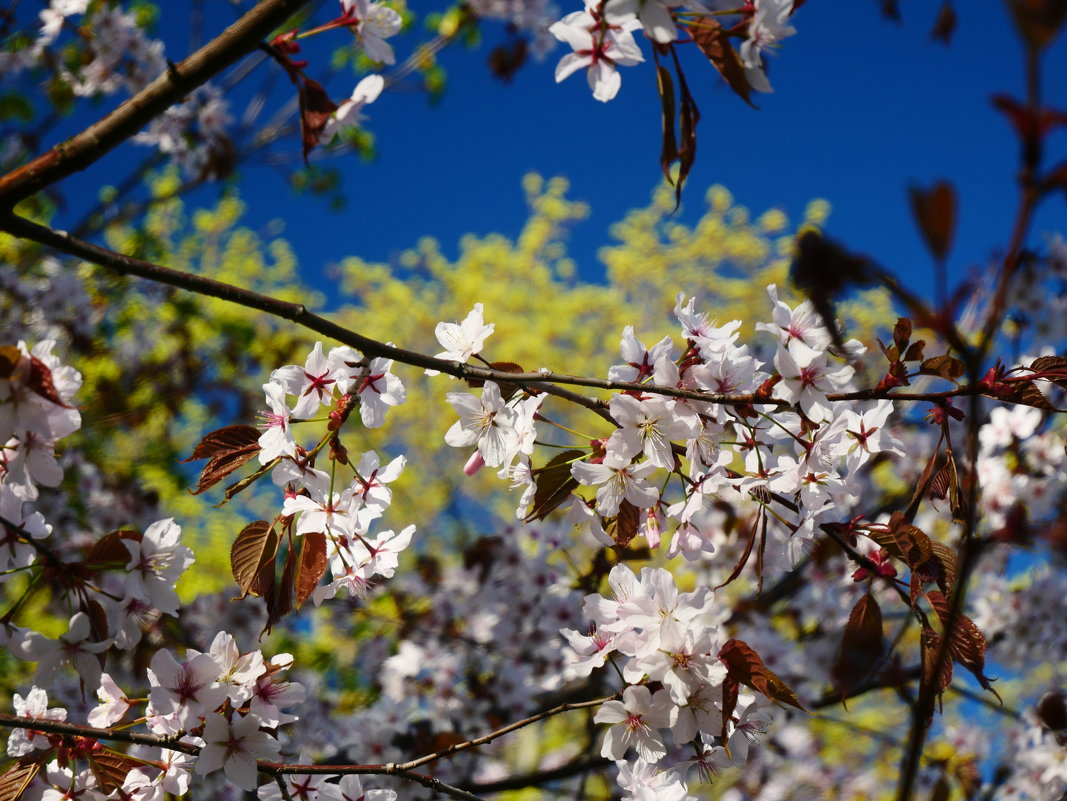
x=804 y=460
x=315 y=499
x=602 y=36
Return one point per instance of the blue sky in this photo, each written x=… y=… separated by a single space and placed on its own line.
x=863 y=108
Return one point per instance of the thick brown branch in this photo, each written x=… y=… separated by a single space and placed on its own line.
x=80 y=151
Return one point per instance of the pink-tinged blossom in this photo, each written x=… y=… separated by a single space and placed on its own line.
x=34 y=706
x=23 y=408
x=14 y=552
x=238 y=672
x=683 y=661
x=29 y=460
x=277 y=437
x=635 y=725
x=375 y=22
x=462 y=340
x=156 y=563
x=348 y=113
x=766 y=28
x=617 y=479
x=866 y=434
x=272 y=695
x=483 y=421
x=75 y=648
x=593 y=649
x=653 y=15
x=639 y=362
x=802 y=323
x=187 y=690
x=234 y=746
x=332 y=513
x=313 y=384
x=710 y=339
x=649 y=426
x=807 y=379
x=598 y=46
x=372 y=478
x=113 y=704
x=301 y=787
x=350 y=788
x=643 y=781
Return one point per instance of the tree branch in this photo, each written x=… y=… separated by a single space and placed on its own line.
x=83 y=149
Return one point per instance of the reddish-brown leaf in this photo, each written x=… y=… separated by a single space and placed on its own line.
x=40 y=382
x=668 y=149
x=902 y=333
x=966 y=643
x=688 y=117
x=312 y=565
x=1052 y=364
x=554 y=484
x=746 y=666
x=109 y=551
x=622 y=528
x=254 y=548
x=731 y=690
x=713 y=40
x=315 y=111
x=507 y=390
x=111 y=768
x=1027 y=393
x=15 y=780
x=226 y=449
x=944 y=366
x=935 y=212
x=225 y=440
x=668 y=153
x=280 y=599
x=862 y=645
x=915 y=351
x=1038 y=20
x=929 y=644
x=945 y=24
x=946 y=566
x=506 y=59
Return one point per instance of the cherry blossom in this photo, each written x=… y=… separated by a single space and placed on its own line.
x=234 y=746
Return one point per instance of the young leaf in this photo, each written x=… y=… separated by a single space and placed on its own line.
x=254 y=548
x=714 y=41
x=935 y=212
x=862 y=645
x=623 y=527
x=944 y=366
x=746 y=666
x=930 y=644
x=312 y=565
x=315 y=110
x=108 y=551
x=669 y=149
x=111 y=768
x=15 y=780
x=966 y=643
x=226 y=450
x=554 y=484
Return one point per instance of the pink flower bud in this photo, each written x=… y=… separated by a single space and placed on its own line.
x=474 y=464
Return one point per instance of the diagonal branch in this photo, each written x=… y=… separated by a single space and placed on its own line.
x=83 y=149
x=543 y=380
